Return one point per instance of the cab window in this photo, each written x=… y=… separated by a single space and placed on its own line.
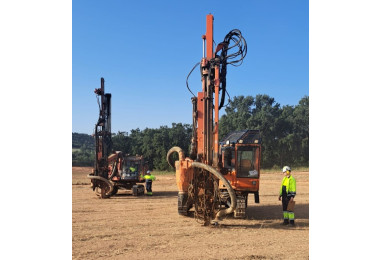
x=228 y=157
x=246 y=162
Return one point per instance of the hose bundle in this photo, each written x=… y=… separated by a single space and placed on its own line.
x=235 y=59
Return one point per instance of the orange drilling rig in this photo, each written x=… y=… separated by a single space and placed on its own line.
x=113 y=170
x=217 y=176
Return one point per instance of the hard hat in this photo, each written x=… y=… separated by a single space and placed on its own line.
x=286 y=168
x=148 y=172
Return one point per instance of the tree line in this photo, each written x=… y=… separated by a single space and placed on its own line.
x=154 y=143
x=83 y=149
x=284 y=132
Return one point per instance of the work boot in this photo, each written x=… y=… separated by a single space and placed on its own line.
x=292 y=222
x=286 y=222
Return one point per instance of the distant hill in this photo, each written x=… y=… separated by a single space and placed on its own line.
x=83 y=152
x=83 y=142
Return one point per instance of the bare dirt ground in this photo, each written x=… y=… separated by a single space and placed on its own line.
x=127 y=227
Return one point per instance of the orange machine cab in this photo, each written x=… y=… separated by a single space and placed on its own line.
x=241 y=153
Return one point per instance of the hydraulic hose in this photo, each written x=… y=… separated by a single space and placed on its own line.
x=180 y=154
x=114 y=168
x=231 y=192
x=92 y=177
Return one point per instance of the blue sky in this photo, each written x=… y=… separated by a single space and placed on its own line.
x=145 y=50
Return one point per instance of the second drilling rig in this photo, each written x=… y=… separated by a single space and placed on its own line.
x=113 y=170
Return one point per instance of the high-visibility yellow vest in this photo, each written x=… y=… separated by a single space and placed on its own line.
x=149 y=177
x=290 y=184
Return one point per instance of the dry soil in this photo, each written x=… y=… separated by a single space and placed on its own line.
x=128 y=227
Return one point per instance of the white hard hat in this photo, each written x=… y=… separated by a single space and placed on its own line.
x=148 y=172
x=286 y=168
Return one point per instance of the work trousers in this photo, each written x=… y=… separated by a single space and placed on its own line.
x=285 y=201
x=148 y=186
x=287 y=214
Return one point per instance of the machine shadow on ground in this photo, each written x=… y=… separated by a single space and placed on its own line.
x=270 y=212
x=268 y=216
x=273 y=225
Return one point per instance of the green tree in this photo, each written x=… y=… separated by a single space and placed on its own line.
x=301 y=130
x=121 y=142
x=83 y=153
x=284 y=130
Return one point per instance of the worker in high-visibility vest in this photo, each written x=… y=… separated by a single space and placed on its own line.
x=149 y=178
x=287 y=194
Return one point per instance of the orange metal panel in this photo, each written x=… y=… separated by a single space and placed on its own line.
x=241 y=184
x=231 y=178
x=209 y=36
x=245 y=184
x=184 y=174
